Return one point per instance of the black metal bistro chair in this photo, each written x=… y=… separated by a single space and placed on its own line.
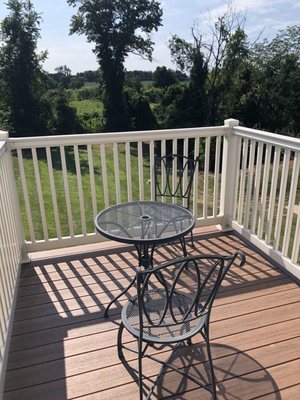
x=175 y=187
x=173 y=304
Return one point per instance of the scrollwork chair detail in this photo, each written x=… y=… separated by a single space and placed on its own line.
x=166 y=311
x=178 y=187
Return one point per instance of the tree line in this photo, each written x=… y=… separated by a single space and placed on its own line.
x=217 y=76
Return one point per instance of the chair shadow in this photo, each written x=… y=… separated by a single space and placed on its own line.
x=238 y=375
x=63 y=297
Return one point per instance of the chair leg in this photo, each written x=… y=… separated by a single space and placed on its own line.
x=192 y=240
x=183 y=245
x=212 y=373
x=140 y=367
x=120 y=351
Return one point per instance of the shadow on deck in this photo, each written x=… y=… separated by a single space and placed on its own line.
x=63 y=348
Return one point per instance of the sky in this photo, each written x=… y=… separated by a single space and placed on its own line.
x=263 y=17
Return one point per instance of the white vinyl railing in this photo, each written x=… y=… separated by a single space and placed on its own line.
x=248 y=180
x=266 y=209
x=64 y=181
x=11 y=245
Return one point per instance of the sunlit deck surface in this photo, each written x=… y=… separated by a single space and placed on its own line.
x=63 y=348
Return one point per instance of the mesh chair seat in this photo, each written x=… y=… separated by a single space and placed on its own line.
x=162 y=313
x=165 y=331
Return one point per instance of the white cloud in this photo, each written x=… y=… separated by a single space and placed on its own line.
x=179 y=16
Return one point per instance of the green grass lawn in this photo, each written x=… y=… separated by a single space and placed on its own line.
x=73 y=187
x=89 y=214
x=87 y=106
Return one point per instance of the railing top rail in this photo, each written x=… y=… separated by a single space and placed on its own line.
x=116 y=137
x=268 y=137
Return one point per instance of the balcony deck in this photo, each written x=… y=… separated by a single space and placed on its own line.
x=62 y=347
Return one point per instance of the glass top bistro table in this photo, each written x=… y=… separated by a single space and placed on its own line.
x=145 y=224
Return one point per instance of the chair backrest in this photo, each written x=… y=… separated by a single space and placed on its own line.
x=174 y=175
x=181 y=291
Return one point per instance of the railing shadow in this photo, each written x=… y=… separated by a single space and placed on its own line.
x=64 y=298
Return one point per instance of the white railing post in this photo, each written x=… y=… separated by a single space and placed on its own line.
x=15 y=199
x=229 y=171
x=17 y=211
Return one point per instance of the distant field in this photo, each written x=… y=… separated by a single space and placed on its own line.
x=87 y=106
x=90 y=84
x=147 y=83
x=95 y=84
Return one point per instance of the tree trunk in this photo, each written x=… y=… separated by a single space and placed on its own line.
x=113 y=99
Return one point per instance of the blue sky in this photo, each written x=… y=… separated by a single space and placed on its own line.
x=179 y=16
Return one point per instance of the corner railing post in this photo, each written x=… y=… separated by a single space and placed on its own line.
x=24 y=258
x=229 y=171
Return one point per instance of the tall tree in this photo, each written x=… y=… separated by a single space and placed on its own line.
x=20 y=66
x=236 y=79
x=277 y=82
x=206 y=57
x=63 y=76
x=117 y=27
x=164 y=77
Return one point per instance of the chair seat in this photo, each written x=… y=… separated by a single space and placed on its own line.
x=168 y=330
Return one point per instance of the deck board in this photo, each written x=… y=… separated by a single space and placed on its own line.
x=63 y=348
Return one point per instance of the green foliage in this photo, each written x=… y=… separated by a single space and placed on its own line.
x=186 y=106
x=63 y=76
x=113 y=25
x=59 y=117
x=153 y=94
x=89 y=76
x=140 y=75
x=88 y=93
x=258 y=84
x=21 y=70
x=92 y=122
x=4 y=114
x=236 y=79
x=205 y=59
x=182 y=53
x=63 y=79
x=165 y=109
x=140 y=114
x=228 y=76
x=134 y=82
x=77 y=82
x=276 y=82
x=89 y=107
x=164 y=77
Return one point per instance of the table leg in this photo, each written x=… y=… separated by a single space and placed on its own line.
x=145 y=260
x=117 y=297
x=143 y=253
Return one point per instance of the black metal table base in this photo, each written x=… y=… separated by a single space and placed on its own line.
x=145 y=255
x=117 y=297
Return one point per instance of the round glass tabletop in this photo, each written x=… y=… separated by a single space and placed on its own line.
x=144 y=222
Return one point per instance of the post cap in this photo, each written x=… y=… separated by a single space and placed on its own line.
x=3 y=135
x=231 y=122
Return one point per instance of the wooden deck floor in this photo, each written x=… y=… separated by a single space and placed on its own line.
x=63 y=348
